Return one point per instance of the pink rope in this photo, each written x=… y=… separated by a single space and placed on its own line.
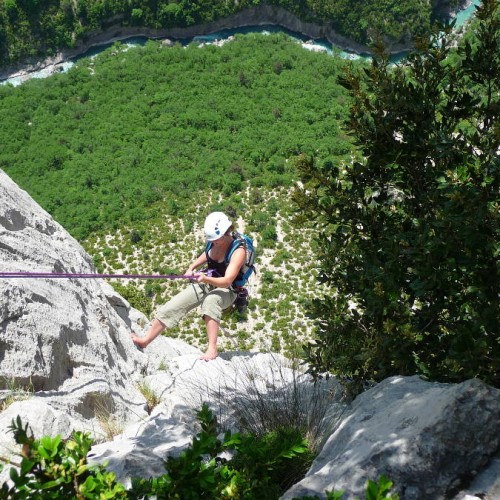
x=20 y=274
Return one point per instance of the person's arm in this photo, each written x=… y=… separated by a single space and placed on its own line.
x=233 y=268
x=202 y=259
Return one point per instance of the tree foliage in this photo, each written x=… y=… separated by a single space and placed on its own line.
x=409 y=234
x=108 y=142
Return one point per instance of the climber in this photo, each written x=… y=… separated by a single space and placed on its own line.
x=224 y=261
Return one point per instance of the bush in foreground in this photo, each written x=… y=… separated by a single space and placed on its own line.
x=254 y=469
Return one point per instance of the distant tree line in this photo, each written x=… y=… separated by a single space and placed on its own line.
x=36 y=29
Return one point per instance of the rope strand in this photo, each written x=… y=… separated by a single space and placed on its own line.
x=8 y=275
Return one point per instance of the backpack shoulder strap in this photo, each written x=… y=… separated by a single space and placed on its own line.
x=237 y=243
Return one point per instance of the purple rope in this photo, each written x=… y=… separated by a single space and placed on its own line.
x=92 y=275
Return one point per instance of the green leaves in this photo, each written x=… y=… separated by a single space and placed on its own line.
x=49 y=447
x=240 y=466
x=53 y=468
x=419 y=215
x=256 y=469
x=380 y=490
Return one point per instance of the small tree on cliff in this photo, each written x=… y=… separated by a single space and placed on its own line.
x=408 y=236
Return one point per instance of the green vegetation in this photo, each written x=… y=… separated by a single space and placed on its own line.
x=119 y=137
x=52 y=468
x=129 y=151
x=34 y=29
x=152 y=400
x=259 y=467
x=380 y=490
x=409 y=237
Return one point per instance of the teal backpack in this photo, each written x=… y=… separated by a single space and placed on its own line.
x=249 y=267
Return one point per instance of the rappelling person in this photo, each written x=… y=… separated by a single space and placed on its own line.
x=226 y=263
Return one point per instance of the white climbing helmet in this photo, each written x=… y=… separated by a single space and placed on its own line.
x=216 y=225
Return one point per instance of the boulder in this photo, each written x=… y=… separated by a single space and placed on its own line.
x=486 y=485
x=428 y=438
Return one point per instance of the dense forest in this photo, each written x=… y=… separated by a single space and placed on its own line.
x=36 y=29
x=169 y=122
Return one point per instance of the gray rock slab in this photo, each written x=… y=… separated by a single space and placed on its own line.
x=426 y=437
x=236 y=386
x=64 y=340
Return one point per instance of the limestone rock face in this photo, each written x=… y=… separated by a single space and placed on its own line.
x=253 y=388
x=426 y=437
x=65 y=341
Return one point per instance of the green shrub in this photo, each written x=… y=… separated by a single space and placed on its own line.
x=408 y=236
x=259 y=468
x=52 y=468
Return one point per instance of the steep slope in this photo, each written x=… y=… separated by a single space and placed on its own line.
x=65 y=340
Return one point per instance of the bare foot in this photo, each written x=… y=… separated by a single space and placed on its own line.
x=138 y=341
x=209 y=355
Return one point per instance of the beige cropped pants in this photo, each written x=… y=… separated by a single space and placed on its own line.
x=212 y=300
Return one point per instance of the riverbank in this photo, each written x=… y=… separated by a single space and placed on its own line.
x=260 y=15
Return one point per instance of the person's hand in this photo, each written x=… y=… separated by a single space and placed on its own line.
x=189 y=272
x=200 y=277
